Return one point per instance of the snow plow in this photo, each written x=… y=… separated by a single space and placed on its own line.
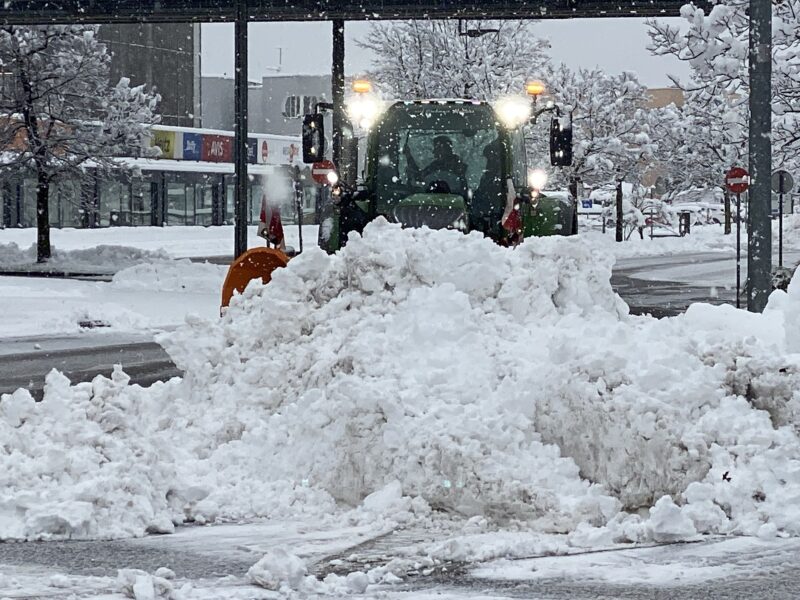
x=259 y=262
x=253 y=264
x=442 y=164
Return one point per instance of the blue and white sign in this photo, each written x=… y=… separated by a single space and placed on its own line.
x=192 y=146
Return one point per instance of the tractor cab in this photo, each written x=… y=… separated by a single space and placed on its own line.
x=442 y=164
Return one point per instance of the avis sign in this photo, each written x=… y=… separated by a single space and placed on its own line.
x=217 y=148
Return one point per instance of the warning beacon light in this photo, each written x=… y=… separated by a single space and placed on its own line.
x=362 y=86
x=535 y=88
x=363 y=107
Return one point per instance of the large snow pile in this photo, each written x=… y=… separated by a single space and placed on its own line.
x=428 y=369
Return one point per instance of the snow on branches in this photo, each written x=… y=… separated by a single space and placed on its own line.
x=715 y=46
x=58 y=112
x=429 y=59
x=610 y=121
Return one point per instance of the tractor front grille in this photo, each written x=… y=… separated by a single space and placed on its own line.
x=433 y=217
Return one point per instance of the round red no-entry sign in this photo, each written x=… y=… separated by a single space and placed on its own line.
x=320 y=170
x=737 y=180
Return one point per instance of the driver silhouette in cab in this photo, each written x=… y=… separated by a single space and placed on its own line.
x=444 y=162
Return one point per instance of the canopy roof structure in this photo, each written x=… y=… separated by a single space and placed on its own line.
x=141 y=11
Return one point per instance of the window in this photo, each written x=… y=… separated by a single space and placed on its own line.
x=297 y=106
x=114 y=203
x=176 y=203
x=419 y=143
x=204 y=201
x=519 y=163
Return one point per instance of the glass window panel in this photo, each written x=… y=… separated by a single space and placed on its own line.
x=28 y=202
x=204 y=202
x=176 y=203
x=141 y=204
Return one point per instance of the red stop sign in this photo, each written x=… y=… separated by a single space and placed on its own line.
x=737 y=180
x=320 y=170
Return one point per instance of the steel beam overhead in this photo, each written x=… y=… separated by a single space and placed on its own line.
x=141 y=11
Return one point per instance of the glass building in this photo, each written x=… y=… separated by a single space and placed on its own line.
x=171 y=191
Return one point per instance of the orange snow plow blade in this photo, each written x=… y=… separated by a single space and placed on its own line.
x=255 y=263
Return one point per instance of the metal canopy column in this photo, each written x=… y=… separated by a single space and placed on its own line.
x=759 y=205
x=240 y=139
x=337 y=91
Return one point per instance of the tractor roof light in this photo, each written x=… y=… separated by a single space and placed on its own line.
x=362 y=86
x=535 y=88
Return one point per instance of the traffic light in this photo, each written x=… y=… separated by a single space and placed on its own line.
x=560 y=143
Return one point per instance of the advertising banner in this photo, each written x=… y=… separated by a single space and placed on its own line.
x=192 y=146
x=166 y=141
x=217 y=148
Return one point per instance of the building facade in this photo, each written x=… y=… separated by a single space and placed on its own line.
x=164 y=57
x=276 y=104
x=191 y=183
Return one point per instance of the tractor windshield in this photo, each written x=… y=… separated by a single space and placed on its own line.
x=452 y=148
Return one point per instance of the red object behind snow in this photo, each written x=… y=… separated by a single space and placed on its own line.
x=271 y=216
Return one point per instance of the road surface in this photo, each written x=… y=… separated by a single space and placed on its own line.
x=25 y=362
x=219 y=557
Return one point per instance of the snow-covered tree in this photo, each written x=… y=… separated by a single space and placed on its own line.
x=59 y=114
x=716 y=48
x=610 y=123
x=700 y=143
x=430 y=59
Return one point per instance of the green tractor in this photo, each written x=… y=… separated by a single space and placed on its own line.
x=443 y=164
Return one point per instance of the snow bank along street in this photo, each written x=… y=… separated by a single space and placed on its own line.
x=429 y=379
x=153 y=284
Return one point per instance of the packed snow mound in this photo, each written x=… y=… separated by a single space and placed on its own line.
x=400 y=358
x=420 y=369
x=102 y=257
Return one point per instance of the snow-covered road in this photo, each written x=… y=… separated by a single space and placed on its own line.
x=212 y=562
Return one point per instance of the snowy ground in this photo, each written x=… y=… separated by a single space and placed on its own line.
x=175 y=242
x=152 y=292
x=154 y=284
x=732 y=568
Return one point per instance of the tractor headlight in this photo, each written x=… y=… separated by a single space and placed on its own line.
x=363 y=110
x=513 y=111
x=537 y=179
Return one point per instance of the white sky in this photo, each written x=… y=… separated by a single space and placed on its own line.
x=615 y=45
